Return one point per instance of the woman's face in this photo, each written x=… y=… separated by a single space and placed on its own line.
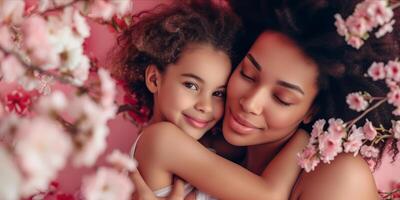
x=270 y=92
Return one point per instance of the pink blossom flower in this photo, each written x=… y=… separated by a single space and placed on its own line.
x=318 y=128
x=10 y=181
x=336 y=128
x=356 y=101
x=391 y=84
x=393 y=70
x=329 y=147
x=394 y=97
x=81 y=73
x=93 y=129
x=55 y=102
x=122 y=161
x=369 y=151
x=380 y=11
x=5 y=39
x=354 y=141
x=44 y=86
x=396 y=129
x=36 y=42
x=341 y=25
x=80 y=25
x=369 y=131
x=11 y=11
x=42 y=148
x=18 y=102
x=396 y=111
x=377 y=71
x=93 y=144
x=101 y=9
x=121 y=7
x=387 y=28
x=308 y=158
x=357 y=26
x=355 y=42
x=108 y=88
x=11 y=69
x=107 y=184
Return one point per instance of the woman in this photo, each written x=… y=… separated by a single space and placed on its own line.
x=298 y=70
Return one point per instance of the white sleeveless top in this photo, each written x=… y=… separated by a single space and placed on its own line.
x=164 y=192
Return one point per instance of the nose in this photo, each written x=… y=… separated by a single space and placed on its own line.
x=253 y=102
x=204 y=104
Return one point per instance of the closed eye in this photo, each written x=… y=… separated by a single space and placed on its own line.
x=245 y=76
x=280 y=101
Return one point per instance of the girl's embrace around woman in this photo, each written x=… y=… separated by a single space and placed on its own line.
x=298 y=70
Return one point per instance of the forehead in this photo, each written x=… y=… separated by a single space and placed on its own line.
x=205 y=61
x=280 y=59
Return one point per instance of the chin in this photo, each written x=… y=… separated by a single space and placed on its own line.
x=233 y=138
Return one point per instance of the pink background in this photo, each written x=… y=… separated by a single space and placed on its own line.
x=123 y=132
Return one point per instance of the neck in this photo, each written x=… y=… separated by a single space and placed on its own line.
x=259 y=156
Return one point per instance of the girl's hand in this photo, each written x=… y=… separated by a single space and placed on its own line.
x=143 y=191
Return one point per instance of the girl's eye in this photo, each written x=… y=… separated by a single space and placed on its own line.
x=280 y=101
x=220 y=93
x=190 y=86
x=245 y=76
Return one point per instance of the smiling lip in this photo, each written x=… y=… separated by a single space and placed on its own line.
x=197 y=123
x=240 y=125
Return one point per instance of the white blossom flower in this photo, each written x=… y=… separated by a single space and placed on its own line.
x=10 y=177
x=107 y=184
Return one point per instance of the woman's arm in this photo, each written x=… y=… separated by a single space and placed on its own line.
x=347 y=177
x=180 y=154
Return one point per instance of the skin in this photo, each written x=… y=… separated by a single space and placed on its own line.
x=189 y=94
x=265 y=104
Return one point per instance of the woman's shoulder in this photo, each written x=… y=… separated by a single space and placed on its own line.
x=346 y=177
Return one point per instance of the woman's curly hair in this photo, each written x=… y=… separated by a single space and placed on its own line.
x=158 y=37
x=342 y=69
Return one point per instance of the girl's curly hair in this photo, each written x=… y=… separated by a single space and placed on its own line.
x=158 y=37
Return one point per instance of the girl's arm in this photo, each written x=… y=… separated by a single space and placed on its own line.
x=178 y=153
x=283 y=171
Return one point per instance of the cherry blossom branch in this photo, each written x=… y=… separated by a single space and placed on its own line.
x=352 y=122
x=389 y=194
x=35 y=68
x=396 y=5
x=59 y=7
x=124 y=108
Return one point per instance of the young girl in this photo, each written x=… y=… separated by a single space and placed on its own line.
x=176 y=61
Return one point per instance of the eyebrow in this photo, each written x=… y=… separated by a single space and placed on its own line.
x=193 y=76
x=199 y=79
x=282 y=83
x=253 y=61
x=291 y=86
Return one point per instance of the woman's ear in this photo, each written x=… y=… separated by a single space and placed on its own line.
x=152 y=77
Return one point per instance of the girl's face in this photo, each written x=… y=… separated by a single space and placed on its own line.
x=270 y=92
x=191 y=93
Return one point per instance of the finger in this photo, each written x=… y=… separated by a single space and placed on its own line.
x=142 y=190
x=178 y=190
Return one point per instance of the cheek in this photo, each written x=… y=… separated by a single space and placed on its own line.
x=219 y=109
x=237 y=86
x=284 y=118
